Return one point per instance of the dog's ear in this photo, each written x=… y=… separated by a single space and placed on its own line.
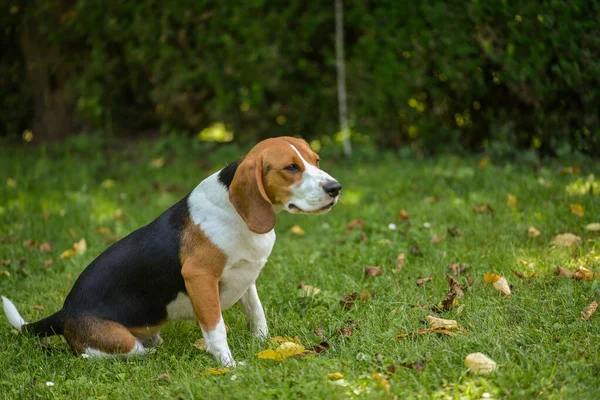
x=248 y=196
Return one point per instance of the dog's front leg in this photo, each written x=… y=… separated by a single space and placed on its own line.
x=202 y=285
x=255 y=313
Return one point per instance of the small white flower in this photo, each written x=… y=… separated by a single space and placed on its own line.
x=427 y=225
x=49 y=383
x=233 y=377
x=84 y=355
x=392 y=227
x=486 y=395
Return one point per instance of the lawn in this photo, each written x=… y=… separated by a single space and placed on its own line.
x=99 y=190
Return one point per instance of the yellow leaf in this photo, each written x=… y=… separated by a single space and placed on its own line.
x=67 y=253
x=435 y=322
x=284 y=339
x=382 y=381
x=200 y=344
x=512 y=201
x=335 y=376
x=297 y=230
x=532 y=232
x=215 y=371
x=584 y=274
x=490 y=278
x=479 y=363
x=285 y=350
x=11 y=183
x=484 y=162
x=577 y=209
x=78 y=248
x=566 y=239
x=309 y=290
x=501 y=285
x=157 y=162
x=103 y=230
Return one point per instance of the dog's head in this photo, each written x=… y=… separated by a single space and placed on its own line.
x=281 y=174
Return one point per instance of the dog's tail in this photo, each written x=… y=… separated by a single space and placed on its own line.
x=52 y=325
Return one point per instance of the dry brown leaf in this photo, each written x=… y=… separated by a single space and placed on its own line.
x=285 y=350
x=200 y=344
x=435 y=322
x=585 y=315
x=490 y=278
x=522 y=276
x=365 y=296
x=215 y=371
x=297 y=229
x=345 y=331
x=335 y=376
x=415 y=250
x=403 y=215
x=584 y=274
x=45 y=247
x=560 y=271
x=486 y=208
x=532 y=232
x=399 y=263
x=458 y=269
x=455 y=286
x=448 y=303
x=454 y=231
x=38 y=307
x=501 y=285
x=308 y=290
x=103 y=230
x=479 y=363
x=422 y=281
x=163 y=377
x=48 y=262
x=347 y=300
x=577 y=209
x=511 y=201
x=435 y=239
x=319 y=348
x=30 y=243
x=357 y=223
x=320 y=332
x=566 y=239
x=372 y=270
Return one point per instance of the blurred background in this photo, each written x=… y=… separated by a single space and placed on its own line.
x=493 y=76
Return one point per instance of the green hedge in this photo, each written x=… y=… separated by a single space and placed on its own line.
x=435 y=75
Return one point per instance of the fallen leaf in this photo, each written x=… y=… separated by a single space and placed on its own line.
x=458 y=269
x=566 y=239
x=163 y=377
x=357 y=223
x=418 y=365
x=347 y=301
x=512 y=201
x=403 y=215
x=399 y=263
x=335 y=375
x=45 y=247
x=585 y=315
x=345 y=332
x=479 y=363
x=200 y=344
x=484 y=162
x=584 y=274
x=319 y=332
x=454 y=231
x=103 y=230
x=435 y=322
x=365 y=296
x=490 y=278
x=560 y=271
x=78 y=248
x=448 y=302
x=501 y=285
x=455 y=286
x=157 y=162
x=38 y=307
x=48 y=262
x=577 y=209
x=435 y=239
x=594 y=227
x=363 y=237
x=308 y=290
x=422 y=281
x=522 y=276
x=297 y=229
x=5 y=273
x=30 y=243
x=532 y=232
x=416 y=251
x=372 y=270
x=319 y=348
x=215 y=371
x=382 y=381
x=5 y=262
x=11 y=183
x=285 y=350
x=486 y=208
x=284 y=339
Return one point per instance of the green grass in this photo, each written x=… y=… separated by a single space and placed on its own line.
x=543 y=348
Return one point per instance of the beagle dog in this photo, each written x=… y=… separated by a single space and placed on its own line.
x=199 y=257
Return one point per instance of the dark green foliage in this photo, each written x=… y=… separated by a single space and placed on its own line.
x=440 y=75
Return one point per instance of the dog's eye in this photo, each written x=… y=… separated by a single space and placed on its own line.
x=292 y=168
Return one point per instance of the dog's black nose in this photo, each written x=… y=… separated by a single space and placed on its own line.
x=332 y=188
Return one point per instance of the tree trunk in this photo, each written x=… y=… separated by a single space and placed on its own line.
x=48 y=75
